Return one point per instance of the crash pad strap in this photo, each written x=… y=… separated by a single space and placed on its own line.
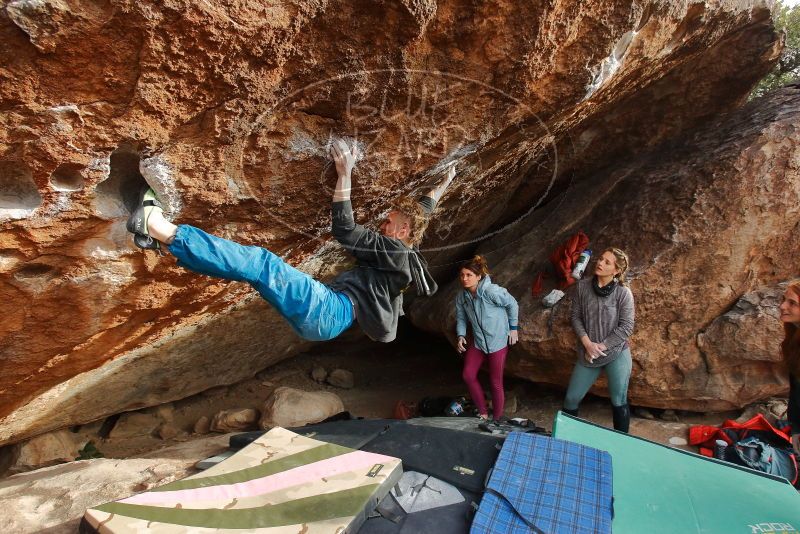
x=307 y=510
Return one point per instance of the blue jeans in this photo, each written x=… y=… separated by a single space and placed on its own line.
x=618 y=373
x=313 y=310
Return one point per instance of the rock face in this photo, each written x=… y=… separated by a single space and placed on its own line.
x=54 y=499
x=749 y=332
x=227 y=109
x=51 y=501
x=710 y=225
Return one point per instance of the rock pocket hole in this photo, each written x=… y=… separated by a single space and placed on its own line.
x=690 y=23
x=117 y=195
x=34 y=270
x=8 y=457
x=67 y=177
x=108 y=425
x=19 y=195
x=36 y=276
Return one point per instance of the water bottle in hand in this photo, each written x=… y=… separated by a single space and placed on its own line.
x=580 y=266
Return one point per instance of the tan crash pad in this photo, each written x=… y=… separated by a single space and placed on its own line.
x=281 y=483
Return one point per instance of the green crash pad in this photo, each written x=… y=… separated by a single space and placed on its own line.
x=658 y=488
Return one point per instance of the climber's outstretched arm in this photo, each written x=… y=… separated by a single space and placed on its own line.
x=438 y=190
x=344 y=157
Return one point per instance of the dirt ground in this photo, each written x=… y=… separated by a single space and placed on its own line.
x=407 y=370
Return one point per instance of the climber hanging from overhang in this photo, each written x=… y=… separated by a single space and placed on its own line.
x=387 y=262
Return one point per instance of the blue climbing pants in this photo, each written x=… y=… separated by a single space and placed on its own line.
x=618 y=373
x=313 y=310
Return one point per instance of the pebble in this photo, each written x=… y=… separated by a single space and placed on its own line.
x=319 y=374
x=669 y=415
x=167 y=431
x=202 y=426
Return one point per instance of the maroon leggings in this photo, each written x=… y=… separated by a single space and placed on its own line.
x=473 y=360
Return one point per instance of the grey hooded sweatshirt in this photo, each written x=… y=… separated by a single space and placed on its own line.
x=608 y=320
x=385 y=268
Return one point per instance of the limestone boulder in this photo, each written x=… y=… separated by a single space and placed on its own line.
x=167 y=431
x=341 y=378
x=54 y=499
x=289 y=407
x=165 y=412
x=234 y=420
x=202 y=425
x=57 y=497
x=135 y=424
x=48 y=449
x=226 y=110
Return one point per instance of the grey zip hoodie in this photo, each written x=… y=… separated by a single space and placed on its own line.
x=385 y=268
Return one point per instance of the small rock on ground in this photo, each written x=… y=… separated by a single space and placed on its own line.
x=669 y=415
x=319 y=374
x=234 y=420
x=167 y=431
x=644 y=413
x=341 y=378
x=203 y=425
x=289 y=407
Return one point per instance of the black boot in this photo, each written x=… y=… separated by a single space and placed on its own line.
x=573 y=413
x=622 y=417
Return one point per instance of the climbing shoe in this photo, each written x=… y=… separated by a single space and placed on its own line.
x=137 y=222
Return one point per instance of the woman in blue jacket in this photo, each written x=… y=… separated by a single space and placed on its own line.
x=492 y=314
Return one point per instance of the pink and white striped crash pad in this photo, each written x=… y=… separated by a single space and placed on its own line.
x=280 y=483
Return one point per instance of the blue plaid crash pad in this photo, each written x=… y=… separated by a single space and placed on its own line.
x=546 y=485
